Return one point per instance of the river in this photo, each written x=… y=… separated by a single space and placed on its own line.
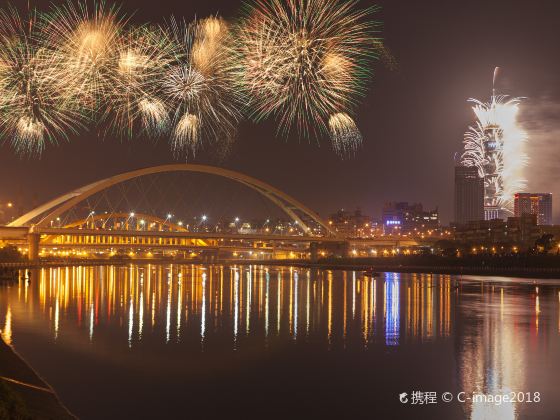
x=194 y=341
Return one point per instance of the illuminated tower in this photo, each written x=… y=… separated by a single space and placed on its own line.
x=493 y=162
x=495 y=146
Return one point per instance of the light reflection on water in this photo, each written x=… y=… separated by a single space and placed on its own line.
x=501 y=335
x=182 y=298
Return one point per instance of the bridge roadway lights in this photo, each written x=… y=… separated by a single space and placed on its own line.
x=33 y=242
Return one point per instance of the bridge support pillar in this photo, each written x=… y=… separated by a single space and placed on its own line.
x=314 y=251
x=33 y=244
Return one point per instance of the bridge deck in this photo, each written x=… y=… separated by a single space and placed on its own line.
x=10 y=233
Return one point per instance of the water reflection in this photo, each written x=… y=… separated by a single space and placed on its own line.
x=247 y=300
x=6 y=332
x=496 y=332
x=392 y=312
x=501 y=341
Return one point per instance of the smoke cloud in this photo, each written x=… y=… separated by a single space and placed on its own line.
x=541 y=119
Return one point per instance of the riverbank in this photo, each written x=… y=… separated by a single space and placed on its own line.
x=543 y=267
x=21 y=265
x=543 y=273
x=23 y=394
x=526 y=266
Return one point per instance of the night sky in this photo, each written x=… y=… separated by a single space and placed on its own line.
x=412 y=120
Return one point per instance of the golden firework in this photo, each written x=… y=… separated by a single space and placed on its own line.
x=304 y=61
x=34 y=108
x=346 y=138
x=86 y=41
x=199 y=86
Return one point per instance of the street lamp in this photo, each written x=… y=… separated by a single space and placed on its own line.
x=130 y=216
x=167 y=218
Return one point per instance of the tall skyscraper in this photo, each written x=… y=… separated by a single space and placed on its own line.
x=495 y=146
x=539 y=204
x=469 y=195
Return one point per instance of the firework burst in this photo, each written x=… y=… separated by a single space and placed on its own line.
x=154 y=115
x=144 y=55
x=305 y=61
x=87 y=43
x=199 y=86
x=495 y=146
x=33 y=108
x=345 y=135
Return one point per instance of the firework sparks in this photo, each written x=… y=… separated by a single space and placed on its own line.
x=345 y=134
x=199 y=86
x=495 y=146
x=211 y=35
x=144 y=55
x=33 y=109
x=87 y=43
x=186 y=135
x=155 y=118
x=305 y=60
x=385 y=55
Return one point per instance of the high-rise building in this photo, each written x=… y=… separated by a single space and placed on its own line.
x=495 y=146
x=353 y=224
x=406 y=218
x=499 y=234
x=539 y=204
x=469 y=195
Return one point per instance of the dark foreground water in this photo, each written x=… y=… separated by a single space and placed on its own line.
x=266 y=342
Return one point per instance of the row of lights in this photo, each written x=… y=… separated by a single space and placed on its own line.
x=375 y=252
x=204 y=218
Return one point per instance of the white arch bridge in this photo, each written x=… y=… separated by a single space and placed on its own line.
x=112 y=234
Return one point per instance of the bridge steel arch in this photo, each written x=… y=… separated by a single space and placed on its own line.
x=60 y=205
